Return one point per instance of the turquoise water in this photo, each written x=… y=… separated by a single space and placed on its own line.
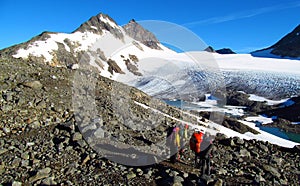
x=294 y=137
x=278 y=132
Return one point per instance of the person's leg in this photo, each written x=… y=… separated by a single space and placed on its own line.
x=173 y=158
x=208 y=166
x=197 y=163
x=204 y=167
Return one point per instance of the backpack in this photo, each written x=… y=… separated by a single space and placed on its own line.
x=195 y=141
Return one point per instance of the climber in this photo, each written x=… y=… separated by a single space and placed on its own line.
x=205 y=154
x=174 y=143
x=195 y=143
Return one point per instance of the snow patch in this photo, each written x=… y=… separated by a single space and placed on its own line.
x=45 y=48
x=107 y=21
x=260 y=119
x=262 y=99
x=93 y=27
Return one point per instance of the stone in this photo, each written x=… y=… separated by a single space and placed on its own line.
x=25 y=163
x=6 y=130
x=222 y=171
x=130 y=175
x=8 y=96
x=139 y=172
x=85 y=160
x=49 y=181
x=6 y=108
x=25 y=156
x=219 y=182
x=76 y=136
x=16 y=183
x=263 y=147
x=33 y=84
x=16 y=162
x=2 y=168
x=2 y=151
x=35 y=124
x=271 y=170
x=258 y=178
x=276 y=160
x=244 y=153
x=178 y=179
x=41 y=174
x=239 y=141
x=185 y=175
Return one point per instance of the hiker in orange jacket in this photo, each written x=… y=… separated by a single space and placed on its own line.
x=195 y=143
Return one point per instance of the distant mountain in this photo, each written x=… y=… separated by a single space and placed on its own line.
x=95 y=42
x=210 y=49
x=287 y=47
x=225 y=51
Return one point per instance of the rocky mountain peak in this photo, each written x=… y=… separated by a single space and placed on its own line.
x=97 y=24
x=137 y=32
x=288 y=46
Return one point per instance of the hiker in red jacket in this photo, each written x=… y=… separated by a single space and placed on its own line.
x=195 y=143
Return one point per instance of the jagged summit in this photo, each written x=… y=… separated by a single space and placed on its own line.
x=137 y=32
x=97 y=24
x=288 y=46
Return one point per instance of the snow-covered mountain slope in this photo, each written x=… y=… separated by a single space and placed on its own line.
x=95 y=42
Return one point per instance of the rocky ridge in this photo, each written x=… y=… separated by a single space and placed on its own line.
x=136 y=31
x=288 y=46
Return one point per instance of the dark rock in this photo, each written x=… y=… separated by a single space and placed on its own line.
x=288 y=46
x=113 y=67
x=225 y=51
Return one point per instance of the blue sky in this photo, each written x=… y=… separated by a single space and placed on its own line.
x=243 y=26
